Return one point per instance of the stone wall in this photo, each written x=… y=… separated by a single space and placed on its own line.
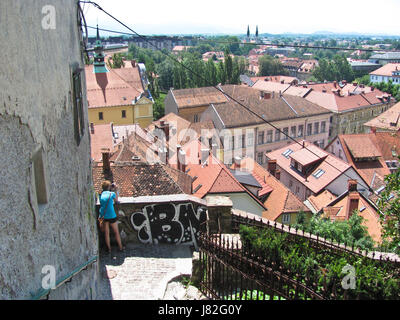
x=175 y=219
x=47 y=213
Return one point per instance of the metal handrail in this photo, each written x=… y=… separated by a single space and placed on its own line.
x=44 y=292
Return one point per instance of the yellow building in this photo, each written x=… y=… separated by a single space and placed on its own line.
x=119 y=95
x=140 y=112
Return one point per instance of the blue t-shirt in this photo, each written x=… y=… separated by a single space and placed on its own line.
x=104 y=197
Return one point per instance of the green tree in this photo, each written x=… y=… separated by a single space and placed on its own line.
x=389 y=205
x=270 y=66
x=211 y=73
x=165 y=73
x=221 y=73
x=116 y=61
x=228 y=66
x=337 y=69
x=349 y=231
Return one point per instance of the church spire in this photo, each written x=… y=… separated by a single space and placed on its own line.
x=98 y=33
x=99 y=57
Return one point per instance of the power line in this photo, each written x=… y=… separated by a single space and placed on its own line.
x=220 y=90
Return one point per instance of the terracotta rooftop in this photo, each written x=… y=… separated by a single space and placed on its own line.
x=305 y=157
x=330 y=166
x=101 y=138
x=275 y=108
x=117 y=87
x=386 y=70
x=321 y=200
x=270 y=86
x=389 y=144
x=136 y=180
x=360 y=146
x=388 y=120
x=279 y=198
x=339 y=102
x=210 y=176
x=176 y=124
x=345 y=87
x=280 y=79
x=186 y=98
x=338 y=209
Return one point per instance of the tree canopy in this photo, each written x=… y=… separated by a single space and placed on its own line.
x=389 y=205
x=269 y=66
x=337 y=69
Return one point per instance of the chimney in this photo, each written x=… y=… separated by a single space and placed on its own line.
x=178 y=148
x=272 y=167
x=335 y=84
x=373 y=130
x=92 y=128
x=237 y=160
x=352 y=185
x=133 y=62
x=204 y=155
x=267 y=95
x=352 y=204
x=106 y=160
x=164 y=126
x=163 y=152
x=182 y=160
x=278 y=174
x=372 y=88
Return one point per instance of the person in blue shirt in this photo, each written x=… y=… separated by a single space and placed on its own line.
x=107 y=199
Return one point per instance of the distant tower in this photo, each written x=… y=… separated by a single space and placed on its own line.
x=99 y=57
x=256 y=32
x=248 y=33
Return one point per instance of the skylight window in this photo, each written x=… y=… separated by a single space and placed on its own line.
x=317 y=174
x=287 y=153
x=380 y=189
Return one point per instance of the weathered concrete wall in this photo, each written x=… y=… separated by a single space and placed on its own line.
x=36 y=112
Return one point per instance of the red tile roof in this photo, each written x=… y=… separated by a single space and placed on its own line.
x=321 y=200
x=347 y=97
x=333 y=167
x=117 y=87
x=187 y=98
x=134 y=180
x=357 y=146
x=386 y=70
x=389 y=144
x=101 y=138
x=338 y=210
x=280 y=199
x=388 y=120
x=212 y=177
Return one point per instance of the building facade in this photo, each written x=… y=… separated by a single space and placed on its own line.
x=120 y=96
x=48 y=224
x=288 y=117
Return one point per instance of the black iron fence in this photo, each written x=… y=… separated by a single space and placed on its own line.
x=231 y=270
x=314 y=240
x=229 y=274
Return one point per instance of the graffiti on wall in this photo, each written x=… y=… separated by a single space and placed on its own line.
x=168 y=223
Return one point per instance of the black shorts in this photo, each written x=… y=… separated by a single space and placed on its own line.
x=111 y=220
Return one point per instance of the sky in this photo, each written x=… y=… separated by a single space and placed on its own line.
x=232 y=16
